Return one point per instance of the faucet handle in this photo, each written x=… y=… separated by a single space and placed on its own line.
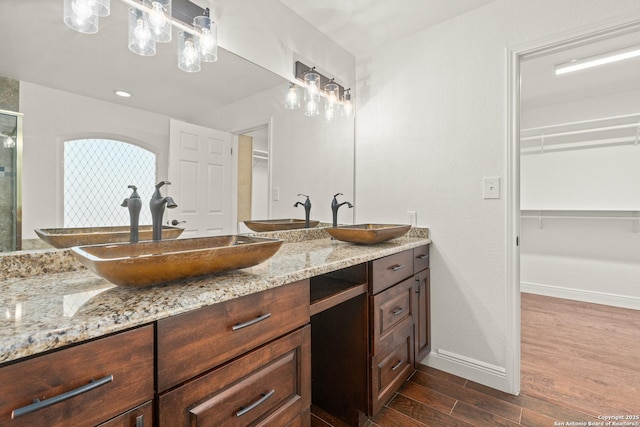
x=304 y=195
x=338 y=194
x=161 y=183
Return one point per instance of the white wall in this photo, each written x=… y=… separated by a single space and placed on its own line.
x=432 y=115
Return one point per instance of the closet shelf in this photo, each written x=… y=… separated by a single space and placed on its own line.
x=542 y=215
x=606 y=131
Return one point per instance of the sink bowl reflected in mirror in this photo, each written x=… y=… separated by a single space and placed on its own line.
x=278 y=224
x=368 y=234
x=152 y=263
x=67 y=237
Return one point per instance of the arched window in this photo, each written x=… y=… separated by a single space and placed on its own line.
x=96 y=175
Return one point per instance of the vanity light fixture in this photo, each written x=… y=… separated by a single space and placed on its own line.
x=151 y=22
x=594 y=61
x=317 y=86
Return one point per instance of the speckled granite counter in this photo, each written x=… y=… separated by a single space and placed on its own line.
x=49 y=311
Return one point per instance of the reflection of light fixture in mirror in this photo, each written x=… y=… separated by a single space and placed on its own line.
x=330 y=101
x=292 y=101
x=312 y=80
x=207 y=37
x=188 y=55
x=159 y=19
x=80 y=16
x=312 y=107
x=347 y=106
x=594 y=61
x=9 y=141
x=141 y=40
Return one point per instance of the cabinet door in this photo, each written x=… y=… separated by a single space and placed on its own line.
x=82 y=385
x=422 y=316
x=392 y=314
x=270 y=386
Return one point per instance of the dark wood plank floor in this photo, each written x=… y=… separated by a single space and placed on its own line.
x=571 y=381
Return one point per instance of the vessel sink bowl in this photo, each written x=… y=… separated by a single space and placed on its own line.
x=368 y=234
x=155 y=262
x=67 y=237
x=278 y=224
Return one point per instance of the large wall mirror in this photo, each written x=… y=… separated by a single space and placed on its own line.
x=67 y=92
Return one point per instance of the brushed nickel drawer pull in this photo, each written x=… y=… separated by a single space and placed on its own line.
x=41 y=404
x=396 y=267
x=255 y=404
x=140 y=419
x=423 y=256
x=395 y=368
x=397 y=311
x=250 y=322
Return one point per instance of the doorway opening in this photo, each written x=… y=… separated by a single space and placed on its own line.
x=575 y=211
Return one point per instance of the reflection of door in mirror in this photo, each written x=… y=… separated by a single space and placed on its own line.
x=253 y=174
x=10 y=185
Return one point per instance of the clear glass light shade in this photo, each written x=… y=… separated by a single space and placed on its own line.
x=208 y=38
x=79 y=15
x=312 y=107
x=141 y=40
x=312 y=80
x=188 y=55
x=9 y=142
x=332 y=94
x=347 y=105
x=101 y=7
x=159 y=19
x=292 y=101
x=329 y=113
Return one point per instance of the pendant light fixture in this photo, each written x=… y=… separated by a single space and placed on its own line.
x=141 y=40
x=207 y=37
x=292 y=101
x=188 y=54
x=152 y=21
x=347 y=106
x=159 y=19
x=331 y=92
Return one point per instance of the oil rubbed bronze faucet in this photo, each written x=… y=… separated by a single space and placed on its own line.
x=134 y=204
x=307 y=209
x=335 y=206
x=157 y=205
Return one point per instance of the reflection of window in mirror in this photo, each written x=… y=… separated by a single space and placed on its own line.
x=96 y=175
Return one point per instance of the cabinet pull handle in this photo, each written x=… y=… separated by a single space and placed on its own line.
x=423 y=256
x=397 y=311
x=396 y=267
x=250 y=322
x=255 y=404
x=395 y=368
x=140 y=421
x=41 y=404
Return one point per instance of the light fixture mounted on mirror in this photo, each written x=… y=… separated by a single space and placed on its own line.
x=316 y=86
x=151 y=22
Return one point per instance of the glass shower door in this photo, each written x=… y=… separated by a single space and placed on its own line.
x=10 y=183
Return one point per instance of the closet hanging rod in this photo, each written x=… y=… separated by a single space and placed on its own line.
x=582 y=122
x=581 y=131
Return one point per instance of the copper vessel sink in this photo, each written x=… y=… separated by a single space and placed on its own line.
x=66 y=237
x=152 y=263
x=278 y=224
x=368 y=234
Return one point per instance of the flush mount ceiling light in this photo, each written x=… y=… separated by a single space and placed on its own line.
x=595 y=61
x=151 y=22
x=122 y=93
x=316 y=86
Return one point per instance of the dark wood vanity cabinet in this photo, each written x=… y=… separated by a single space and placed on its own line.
x=243 y=362
x=85 y=385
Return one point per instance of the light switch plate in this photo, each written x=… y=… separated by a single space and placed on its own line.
x=491 y=188
x=275 y=194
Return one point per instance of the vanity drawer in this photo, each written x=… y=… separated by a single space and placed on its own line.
x=120 y=366
x=392 y=312
x=270 y=386
x=195 y=342
x=387 y=271
x=390 y=369
x=142 y=416
x=420 y=258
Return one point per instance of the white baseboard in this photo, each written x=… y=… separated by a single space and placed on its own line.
x=595 y=297
x=475 y=370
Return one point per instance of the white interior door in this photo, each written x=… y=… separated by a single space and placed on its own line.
x=200 y=174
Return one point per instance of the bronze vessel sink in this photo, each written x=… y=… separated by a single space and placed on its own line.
x=368 y=234
x=278 y=224
x=155 y=262
x=67 y=237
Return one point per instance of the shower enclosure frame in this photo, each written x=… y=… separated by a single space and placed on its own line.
x=18 y=176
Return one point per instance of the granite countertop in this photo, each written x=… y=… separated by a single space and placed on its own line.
x=51 y=310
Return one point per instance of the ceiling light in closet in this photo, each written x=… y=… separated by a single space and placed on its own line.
x=595 y=61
